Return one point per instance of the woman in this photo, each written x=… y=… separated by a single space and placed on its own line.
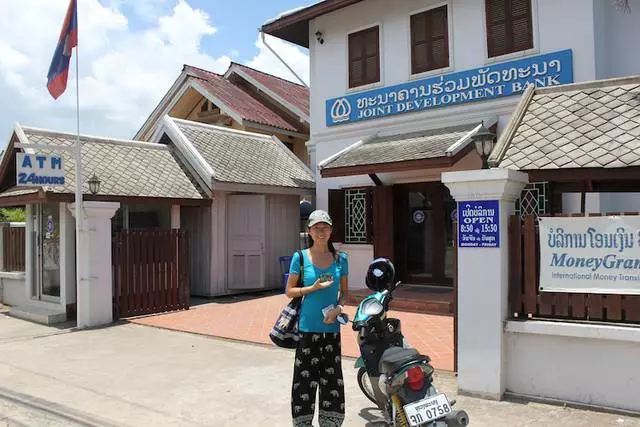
x=318 y=356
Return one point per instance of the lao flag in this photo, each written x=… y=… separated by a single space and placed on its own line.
x=59 y=69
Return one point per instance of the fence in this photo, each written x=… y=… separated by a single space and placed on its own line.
x=525 y=300
x=13 y=248
x=150 y=271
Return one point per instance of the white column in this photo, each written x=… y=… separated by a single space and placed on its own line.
x=30 y=253
x=175 y=217
x=483 y=274
x=95 y=286
x=67 y=256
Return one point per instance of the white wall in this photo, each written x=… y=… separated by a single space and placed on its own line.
x=601 y=202
x=282 y=234
x=616 y=37
x=329 y=76
x=12 y=287
x=592 y=364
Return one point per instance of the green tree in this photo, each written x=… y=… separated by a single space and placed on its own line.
x=12 y=214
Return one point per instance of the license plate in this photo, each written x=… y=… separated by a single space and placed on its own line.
x=427 y=410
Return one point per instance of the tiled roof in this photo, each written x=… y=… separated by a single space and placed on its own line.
x=397 y=148
x=125 y=168
x=585 y=125
x=239 y=100
x=246 y=158
x=296 y=94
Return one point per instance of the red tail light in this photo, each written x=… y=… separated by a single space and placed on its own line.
x=415 y=378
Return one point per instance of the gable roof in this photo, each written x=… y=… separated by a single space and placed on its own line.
x=585 y=125
x=294 y=27
x=226 y=158
x=281 y=90
x=125 y=168
x=237 y=100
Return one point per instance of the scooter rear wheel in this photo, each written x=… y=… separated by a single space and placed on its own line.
x=365 y=385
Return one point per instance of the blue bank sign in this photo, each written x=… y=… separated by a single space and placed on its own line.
x=479 y=224
x=493 y=81
x=39 y=169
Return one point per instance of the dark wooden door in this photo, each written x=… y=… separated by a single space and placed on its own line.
x=424 y=245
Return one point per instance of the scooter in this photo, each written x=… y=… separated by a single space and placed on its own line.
x=394 y=376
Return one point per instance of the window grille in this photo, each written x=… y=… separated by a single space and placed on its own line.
x=355 y=203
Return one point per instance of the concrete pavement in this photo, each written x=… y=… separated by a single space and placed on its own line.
x=133 y=375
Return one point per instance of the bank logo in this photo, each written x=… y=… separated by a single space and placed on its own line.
x=340 y=110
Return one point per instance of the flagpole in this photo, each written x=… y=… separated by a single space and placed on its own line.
x=78 y=155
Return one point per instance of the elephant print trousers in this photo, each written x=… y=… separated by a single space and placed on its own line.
x=318 y=365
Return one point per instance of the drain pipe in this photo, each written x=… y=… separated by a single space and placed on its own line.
x=264 y=41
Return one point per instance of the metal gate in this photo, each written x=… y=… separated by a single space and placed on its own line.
x=150 y=272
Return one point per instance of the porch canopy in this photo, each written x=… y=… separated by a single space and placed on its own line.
x=582 y=137
x=129 y=171
x=428 y=149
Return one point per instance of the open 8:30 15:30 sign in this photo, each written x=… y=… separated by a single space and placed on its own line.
x=479 y=224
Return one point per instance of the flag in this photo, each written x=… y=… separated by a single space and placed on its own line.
x=59 y=69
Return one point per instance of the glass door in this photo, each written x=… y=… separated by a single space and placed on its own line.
x=47 y=254
x=424 y=234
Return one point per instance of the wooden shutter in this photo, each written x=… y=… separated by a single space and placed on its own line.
x=429 y=40
x=364 y=57
x=336 y=212
x=509 y=26
x=383 y=227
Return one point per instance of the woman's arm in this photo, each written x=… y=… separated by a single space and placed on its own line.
x=294 y=291
x=344 y=289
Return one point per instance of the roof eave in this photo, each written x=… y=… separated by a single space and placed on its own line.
x=401 y=166
x=294 y=27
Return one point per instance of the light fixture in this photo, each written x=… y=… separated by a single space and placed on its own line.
x=484 y=140
x=94 y=185
x=319 y=37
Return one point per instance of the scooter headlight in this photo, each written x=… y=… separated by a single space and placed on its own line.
x=372 y=307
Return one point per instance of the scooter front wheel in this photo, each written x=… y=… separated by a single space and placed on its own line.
x=365 y=385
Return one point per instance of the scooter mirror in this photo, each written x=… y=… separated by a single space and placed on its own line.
x=343 y=318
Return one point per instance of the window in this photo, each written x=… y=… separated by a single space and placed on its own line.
x=351 y=212
x=364 y=57
x=355 y=215
x=509 y=26
x=429 y=40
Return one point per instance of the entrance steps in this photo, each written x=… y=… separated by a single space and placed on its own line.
x=423 y=299
x=43 y=315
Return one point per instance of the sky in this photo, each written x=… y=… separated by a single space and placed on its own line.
x=130 y=52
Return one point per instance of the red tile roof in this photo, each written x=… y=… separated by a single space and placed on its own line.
x=240 y=100
x=296 y=94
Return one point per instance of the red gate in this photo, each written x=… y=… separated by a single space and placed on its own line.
x=150 y=272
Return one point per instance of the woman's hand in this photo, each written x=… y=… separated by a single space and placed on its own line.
x=321 y=284
x=332 y=315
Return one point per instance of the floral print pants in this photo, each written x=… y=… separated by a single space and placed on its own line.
x=318 y=365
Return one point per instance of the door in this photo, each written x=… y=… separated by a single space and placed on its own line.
x=47 y=254
x=424 y=234
x=246 y=241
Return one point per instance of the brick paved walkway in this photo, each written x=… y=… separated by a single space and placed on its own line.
x=251 y=318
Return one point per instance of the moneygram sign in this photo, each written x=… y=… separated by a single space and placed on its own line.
x=480 y=84
x=590 y=255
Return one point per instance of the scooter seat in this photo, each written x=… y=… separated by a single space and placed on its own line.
x=395 y=357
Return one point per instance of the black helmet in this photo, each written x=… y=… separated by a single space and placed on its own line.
x=380 y=275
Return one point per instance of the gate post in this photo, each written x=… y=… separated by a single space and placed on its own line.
x=94 y=283
x=485 y=199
